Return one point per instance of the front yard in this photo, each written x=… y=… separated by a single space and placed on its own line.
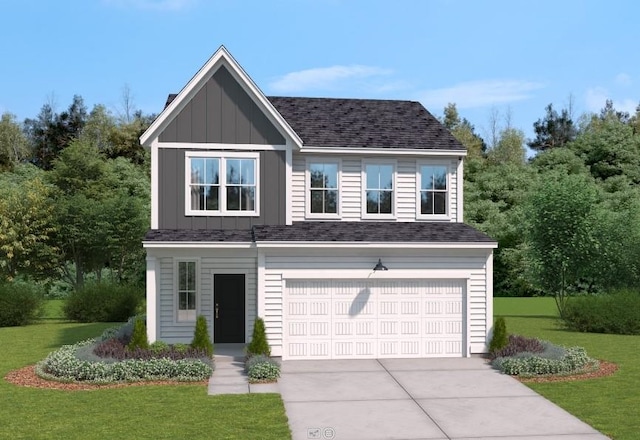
x=609 y=404
x=158 y=412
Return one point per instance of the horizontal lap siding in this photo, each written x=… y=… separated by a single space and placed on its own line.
x=351 y=189
x=406 y=191
x=297 y=188
x=172 y=331
x=476 y=265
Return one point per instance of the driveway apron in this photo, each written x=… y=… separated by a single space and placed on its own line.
x=460 y=399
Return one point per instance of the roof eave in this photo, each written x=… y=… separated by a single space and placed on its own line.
x=404 y=151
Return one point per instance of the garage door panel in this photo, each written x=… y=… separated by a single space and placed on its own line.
x=374 y=319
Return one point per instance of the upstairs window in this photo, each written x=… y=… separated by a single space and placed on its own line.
x=379 y=188
x=434 y=191
x=222 y=185
x=187 y=293
x=323 y=192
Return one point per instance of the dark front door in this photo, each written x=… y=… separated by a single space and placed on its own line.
x=228 y=313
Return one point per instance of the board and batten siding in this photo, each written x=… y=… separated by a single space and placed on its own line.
x=172 y=331
x=434 y=263
x=351 y=187
x=171 y=194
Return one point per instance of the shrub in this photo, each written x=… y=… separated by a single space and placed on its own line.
x=103 y=302
x=499 y=339
x=20 y=303
x=139 y=336
x=552 y=360
x=201 y=339
x=158 y=347
x=258 y=344
x=114 y=349
x=261 y=368
x=518 y=344
x=616 y=313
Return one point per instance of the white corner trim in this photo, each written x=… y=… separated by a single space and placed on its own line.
x=288 y=186
x=219 y=58
x=383 y=151
x=261 y=285
x=152 y=299
x=155 y=189
x=489 y=299
x=460 y=191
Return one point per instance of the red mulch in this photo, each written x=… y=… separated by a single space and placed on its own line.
x=27 y=377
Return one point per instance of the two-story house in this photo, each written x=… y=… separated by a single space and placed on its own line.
x=338 y=221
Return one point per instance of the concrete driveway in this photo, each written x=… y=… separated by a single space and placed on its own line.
x=418 y=399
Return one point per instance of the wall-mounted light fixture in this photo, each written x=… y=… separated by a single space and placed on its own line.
x=380 y=266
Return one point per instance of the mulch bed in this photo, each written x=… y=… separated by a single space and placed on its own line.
x=27 y=377
x=605 y=369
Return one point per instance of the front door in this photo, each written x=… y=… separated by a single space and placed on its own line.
x=228 y=298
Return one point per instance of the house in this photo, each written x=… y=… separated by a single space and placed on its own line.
x=338 y=221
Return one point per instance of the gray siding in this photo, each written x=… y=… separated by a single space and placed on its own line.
x=222 y=112
x=171 y=202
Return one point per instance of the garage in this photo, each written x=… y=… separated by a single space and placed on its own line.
x=363 y=318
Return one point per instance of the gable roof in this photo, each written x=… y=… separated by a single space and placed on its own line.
x=362 y=123
x=219 y=58
x=336 y=232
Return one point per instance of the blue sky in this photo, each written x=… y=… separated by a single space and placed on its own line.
x=505 y=57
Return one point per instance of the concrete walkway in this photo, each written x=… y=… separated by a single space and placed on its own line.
x=459 y=399
x=229 y=377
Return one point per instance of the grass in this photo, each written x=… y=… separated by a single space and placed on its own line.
x=609 y=404
x=158 y=412
x=52 y=309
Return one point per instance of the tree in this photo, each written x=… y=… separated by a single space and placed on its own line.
x=509 y=148
x=563 y=232
x=13 y=143
x=27 y=225
x=554 y=130
x=463 y=131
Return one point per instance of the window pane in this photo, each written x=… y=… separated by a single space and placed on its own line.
x=426 y=202
x=212 y=194
x=440 y=178
x=213 y=171
x=373 y=176
x=191 y=275
x=197 y=197
x=386 y=176
x=386 y=202
x=331 y=202
x=233 y=171
x=316 y=201
x=373 y=202
x=316 y=175
x=182 y=275
x=426 y=177
x=191 y=301
x=247 y=174
x=197 y=170
x=248 y=198
x=182 y=301
x=440 y=203
x=331 y=175
x=233 y=198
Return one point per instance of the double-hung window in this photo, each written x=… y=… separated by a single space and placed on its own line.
x=222 y=184
x=434 y=190
x=379 y=187
x=187 y=290
x=323 y=193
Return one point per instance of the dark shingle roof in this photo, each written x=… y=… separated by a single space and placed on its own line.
x=415 y=232
x=362 y=123
x=353 y=123
x=391 y=232
x=185 y=235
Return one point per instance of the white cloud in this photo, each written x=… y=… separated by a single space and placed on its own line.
x=623 y=79
x=151 y=5
x=325 y=78
x=482 y=93
x=596 y=97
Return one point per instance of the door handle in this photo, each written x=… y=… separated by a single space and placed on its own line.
x=217 y=309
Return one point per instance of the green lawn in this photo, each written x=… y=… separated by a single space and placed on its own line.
x=608 y=404
x=157 y=412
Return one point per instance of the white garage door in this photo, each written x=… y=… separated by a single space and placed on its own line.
x=357 y=319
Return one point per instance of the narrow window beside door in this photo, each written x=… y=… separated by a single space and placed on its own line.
x=187 y=291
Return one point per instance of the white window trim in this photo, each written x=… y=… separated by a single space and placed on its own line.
x=176 y=281
x=223 y=156
x=363 y=190
x=435 y=217
x=307 y=190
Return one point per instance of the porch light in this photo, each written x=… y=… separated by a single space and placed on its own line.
x=380 y=266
